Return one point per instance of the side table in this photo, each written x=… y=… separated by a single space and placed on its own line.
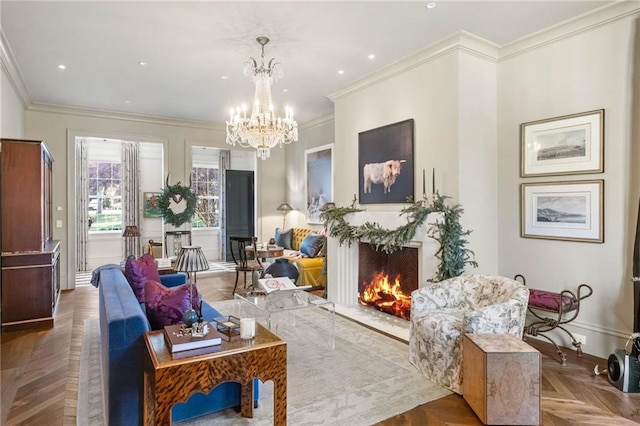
x=168 y=381
x=501 y=379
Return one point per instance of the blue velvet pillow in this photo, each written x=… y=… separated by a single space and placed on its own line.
x=312 y=244
x=284 y=238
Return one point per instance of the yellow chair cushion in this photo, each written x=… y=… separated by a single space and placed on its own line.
x=310 y=269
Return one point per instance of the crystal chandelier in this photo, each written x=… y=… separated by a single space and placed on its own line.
x=262 y=130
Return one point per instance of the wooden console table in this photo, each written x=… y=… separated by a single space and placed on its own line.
x=168 y=381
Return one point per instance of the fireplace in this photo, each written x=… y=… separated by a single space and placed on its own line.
x=343 y=259
x=386 y=280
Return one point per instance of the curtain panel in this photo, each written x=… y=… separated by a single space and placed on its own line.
x=82 y=204
x=131 y=203
x=224 y=164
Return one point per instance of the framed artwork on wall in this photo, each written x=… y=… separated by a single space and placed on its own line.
x=151 y=207
x=570 y=211
x=571 y=144
x=385 y=163
x=319 y=180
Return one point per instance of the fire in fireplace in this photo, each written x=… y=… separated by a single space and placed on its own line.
x=386 y=280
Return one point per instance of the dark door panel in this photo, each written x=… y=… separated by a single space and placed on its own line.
x=240 y=220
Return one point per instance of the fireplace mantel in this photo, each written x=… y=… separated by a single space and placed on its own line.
x=342 y=260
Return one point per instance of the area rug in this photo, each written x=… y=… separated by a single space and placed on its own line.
x=367 y=378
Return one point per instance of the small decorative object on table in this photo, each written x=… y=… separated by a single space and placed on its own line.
x=181 y=338
x=229 y=326
x=247 y=328
x=279 y=283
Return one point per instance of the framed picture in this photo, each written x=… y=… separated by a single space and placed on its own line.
x=571 y=144
x=385 y=163
x=151 y=208
x=319 y=180
x=571 y=211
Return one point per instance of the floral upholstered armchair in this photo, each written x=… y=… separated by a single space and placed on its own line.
x=443 y=312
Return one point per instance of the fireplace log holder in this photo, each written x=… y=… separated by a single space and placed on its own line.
x=554 y=310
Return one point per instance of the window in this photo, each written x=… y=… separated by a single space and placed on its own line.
x=206 y=185
x=105 y=196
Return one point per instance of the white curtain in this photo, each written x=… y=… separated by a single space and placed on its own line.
x=223 y=165
x=131 y=203
x=82 y=204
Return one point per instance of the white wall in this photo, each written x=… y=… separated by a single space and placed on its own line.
x=545 y=78
x=449 y=89
x=53 y=125
x=11 y=110
x=312 y=135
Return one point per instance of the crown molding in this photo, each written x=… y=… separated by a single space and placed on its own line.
x=107 y=114
x=591 y=20
x=9 y=65
x=460 y=41
x=317 y=122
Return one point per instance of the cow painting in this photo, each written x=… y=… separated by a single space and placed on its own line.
x=381 y=173
x=385 y=168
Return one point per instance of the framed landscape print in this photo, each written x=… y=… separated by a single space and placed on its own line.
x=319 y=180
x=571 y=211
x=385 y=163
x=151 y=208
x=571 y=144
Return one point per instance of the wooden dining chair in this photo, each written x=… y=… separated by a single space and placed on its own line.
x=244 y=262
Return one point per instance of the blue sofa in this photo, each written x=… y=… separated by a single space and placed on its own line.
x=122 y=324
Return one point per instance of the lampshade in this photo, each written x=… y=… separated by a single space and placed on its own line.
x=131 y=231
x=191 y=259
x=284 y=207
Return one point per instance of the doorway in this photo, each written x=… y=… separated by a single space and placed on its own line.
x=240 y=206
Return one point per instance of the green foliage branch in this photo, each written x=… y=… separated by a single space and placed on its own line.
x=177 y=193
x=448 y=232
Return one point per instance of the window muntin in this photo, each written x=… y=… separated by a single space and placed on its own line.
x=105 y=196
x=205 y=183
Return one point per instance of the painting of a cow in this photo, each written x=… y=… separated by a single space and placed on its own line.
x=385 y=173
x=385 y=164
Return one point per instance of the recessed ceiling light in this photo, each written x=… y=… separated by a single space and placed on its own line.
x=371 y=56
x=62 y=67
x=340 y=72
x=224 y=77
x=285 y=90
x=431 y=5
x=127 y=101
x=143 y=63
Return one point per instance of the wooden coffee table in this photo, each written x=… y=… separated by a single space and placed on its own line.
x=168 y=381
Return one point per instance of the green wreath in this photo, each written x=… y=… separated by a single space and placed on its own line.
x=177 y=193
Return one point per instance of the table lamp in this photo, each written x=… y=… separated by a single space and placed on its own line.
x=191 y=259
x=130 y=233
x=284 y=208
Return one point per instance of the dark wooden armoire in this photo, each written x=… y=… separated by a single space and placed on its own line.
x=30 y=280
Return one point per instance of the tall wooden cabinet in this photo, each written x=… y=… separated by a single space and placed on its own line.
x=30 y=260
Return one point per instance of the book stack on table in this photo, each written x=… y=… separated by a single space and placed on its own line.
x=182 y=343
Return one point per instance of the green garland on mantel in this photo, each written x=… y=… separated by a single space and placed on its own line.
x=453 y=253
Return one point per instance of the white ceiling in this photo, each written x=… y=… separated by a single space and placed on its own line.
x=189 y=45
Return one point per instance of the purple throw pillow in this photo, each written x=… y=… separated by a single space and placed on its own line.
x=165 y=306
x=138 y=272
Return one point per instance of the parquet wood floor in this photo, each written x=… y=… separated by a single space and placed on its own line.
x=39 y=375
